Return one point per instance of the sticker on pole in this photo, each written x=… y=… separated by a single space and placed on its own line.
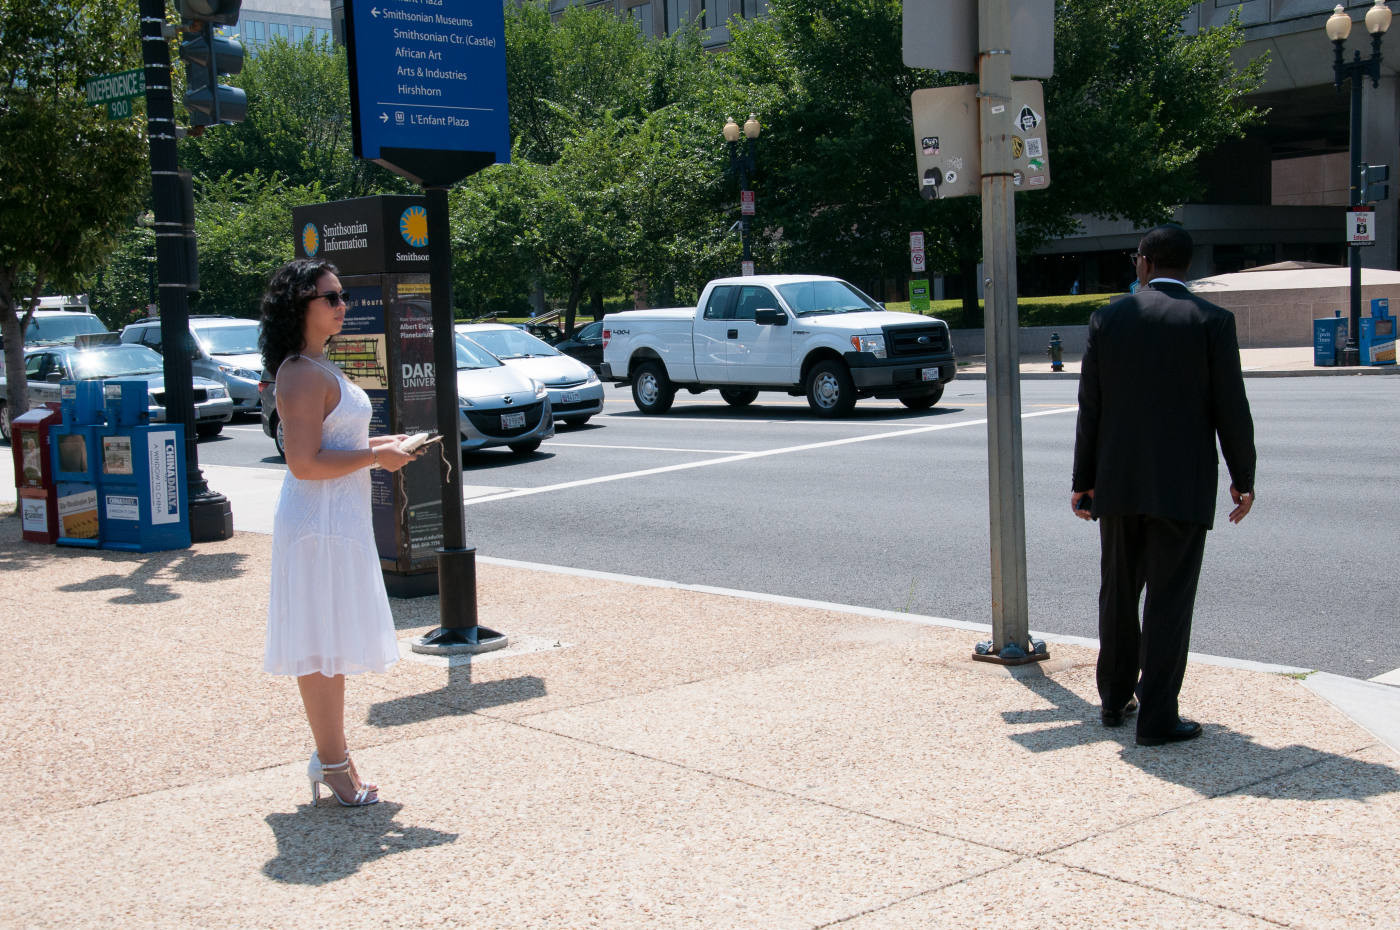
x=1361 y=226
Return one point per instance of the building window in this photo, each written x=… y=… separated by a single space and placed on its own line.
x=642 y=16
x=323 y=38
x=281 y=31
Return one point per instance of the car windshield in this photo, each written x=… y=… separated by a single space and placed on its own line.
x=512 y=343
x=470 y=355
x=115 y=362
x=62 y=327
x=810 y=298
x=234 y=339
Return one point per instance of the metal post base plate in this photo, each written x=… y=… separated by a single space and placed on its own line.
x=464 y=641
x=1011 y=653
x=211 y=518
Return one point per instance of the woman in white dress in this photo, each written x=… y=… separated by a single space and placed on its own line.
x=328 y=615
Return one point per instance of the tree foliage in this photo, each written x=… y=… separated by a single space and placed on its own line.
x=71 y=178
x=1133 y=103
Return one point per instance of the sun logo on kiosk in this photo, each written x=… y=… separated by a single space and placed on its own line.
x=413 y=226
x=310 y=240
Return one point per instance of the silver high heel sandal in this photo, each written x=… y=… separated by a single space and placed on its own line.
x=316 y=773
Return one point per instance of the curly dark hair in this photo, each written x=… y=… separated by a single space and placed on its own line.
x=284 y=309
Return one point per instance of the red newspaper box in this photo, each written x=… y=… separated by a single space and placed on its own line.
x=34 y=480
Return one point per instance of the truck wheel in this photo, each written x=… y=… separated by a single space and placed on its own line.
x=923 y=401
x=4 y=421
x=830 y=391
x=738 y=397
x=652 y=391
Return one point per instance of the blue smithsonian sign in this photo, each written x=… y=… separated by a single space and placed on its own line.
x=427 y=76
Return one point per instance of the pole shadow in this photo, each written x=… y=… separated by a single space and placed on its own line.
x=1221 y=761
x=458 y=697
x=324 y=843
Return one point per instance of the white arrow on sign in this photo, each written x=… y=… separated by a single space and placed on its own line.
x=375 y=12
x=384 y=117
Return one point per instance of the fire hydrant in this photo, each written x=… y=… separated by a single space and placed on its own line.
x=1056 y=353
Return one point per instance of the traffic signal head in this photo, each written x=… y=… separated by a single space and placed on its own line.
x=207 y=57
x=1373 y=186
x=219 y=12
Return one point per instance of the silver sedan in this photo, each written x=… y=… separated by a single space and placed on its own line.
x=575 y=393
x=498 y=405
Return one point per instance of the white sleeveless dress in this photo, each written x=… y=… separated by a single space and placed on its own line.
x=328 y=611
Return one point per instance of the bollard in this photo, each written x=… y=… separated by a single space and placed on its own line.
x=459 y=633
x=1056 y=353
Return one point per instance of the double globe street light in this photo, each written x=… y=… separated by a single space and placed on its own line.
x=1338 y=28
x=743 y=166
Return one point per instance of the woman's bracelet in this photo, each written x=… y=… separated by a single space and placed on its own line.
x=373 y=458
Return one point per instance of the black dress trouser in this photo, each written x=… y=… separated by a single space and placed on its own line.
x=1165 y=557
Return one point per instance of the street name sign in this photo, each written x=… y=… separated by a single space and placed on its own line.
x=428 y=86
x=117 y=91
x=942 y=35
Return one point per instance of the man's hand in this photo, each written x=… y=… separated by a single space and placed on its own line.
x=1074 y=499
x=1243 y=502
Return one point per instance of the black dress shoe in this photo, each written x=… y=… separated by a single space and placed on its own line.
x=1114 y=718
x=1184 y=730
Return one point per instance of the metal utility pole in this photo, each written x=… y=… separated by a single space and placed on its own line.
x=211 y=517
x=1010 y=625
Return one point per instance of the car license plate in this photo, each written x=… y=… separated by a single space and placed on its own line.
x=569 y=397
x=513 y=420
x=930 y=374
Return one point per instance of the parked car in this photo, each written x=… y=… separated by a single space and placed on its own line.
x=586 y=345
x=57 y=321
x=46 y=366
x=497 y=405
x=222 y=348
x=575 y=393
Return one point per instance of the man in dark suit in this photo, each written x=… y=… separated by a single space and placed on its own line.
x=1160 y=380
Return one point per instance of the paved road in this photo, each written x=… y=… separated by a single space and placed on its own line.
x=889 y=510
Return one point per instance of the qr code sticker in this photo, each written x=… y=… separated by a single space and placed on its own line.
x=1034 y=148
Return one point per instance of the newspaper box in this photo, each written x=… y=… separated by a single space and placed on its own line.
x=143 y=499
x=75 y=451
x=34 y=481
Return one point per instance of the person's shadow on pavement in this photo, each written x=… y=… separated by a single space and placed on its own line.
x=1222 y=761
x=323 y=844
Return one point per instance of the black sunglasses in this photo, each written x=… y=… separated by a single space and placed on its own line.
x=333 y=297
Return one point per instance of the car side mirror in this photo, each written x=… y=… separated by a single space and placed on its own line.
x=770 y=317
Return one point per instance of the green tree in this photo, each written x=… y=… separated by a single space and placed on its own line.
x=71 y=178
x=1133 y=104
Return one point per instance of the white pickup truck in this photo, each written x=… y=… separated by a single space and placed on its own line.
x=793 y=333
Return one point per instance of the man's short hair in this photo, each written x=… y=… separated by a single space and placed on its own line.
x=1167 y=246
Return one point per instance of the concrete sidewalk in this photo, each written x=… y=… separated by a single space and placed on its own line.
x=648 y=756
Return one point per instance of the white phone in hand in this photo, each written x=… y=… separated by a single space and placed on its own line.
x=419 y=440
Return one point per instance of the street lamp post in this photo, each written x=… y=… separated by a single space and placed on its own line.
x=1338 y=28
x=742 y=165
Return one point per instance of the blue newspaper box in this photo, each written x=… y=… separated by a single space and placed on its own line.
x=1329 y=338
x=143 y=500
x=1377 y=338
x=74 y=452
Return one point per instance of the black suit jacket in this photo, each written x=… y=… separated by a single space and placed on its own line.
x=1160 y=380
